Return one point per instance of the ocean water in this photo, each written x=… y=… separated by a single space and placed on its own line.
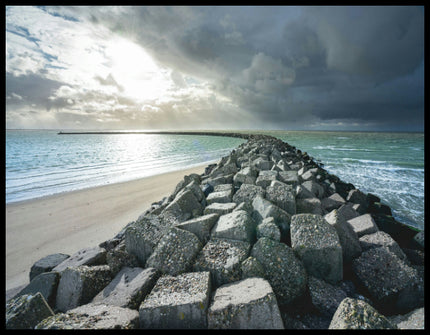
x=39 y=163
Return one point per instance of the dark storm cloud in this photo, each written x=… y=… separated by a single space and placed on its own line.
x=284 y=67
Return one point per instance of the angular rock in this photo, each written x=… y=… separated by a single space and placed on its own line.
x=419 y=240
x=247 y=193
x=184 y=206
x=175 y=252
x=381 y=239
x=262 y=164
x=315 y=188
x=247 y=304
x=332 y=202
x=93 y=316
x=142 y=236
x=289 y=177
x=237 y=225
x=129 y=287
x=394 y=286
x=79 y=285
x=250 y=267
x=225 y=179
x=86 y=256
x=412 y=320
x=207 y=189
x=247 y=175
x=219 y=197
x=264 y=208
x=317 y=244
x=118 y=257
x=357 y=314
x=46 y=283
x=285 y=273
x=219 y=208
x=177 y=302
x=357 y=197
x=363 y=224
x=346 y=212
x=309 y=206
x=265 y=178
x=222 y=258
x=200 y=226
x=269 y=229
x=347 y=237
x=282 y=195
x=325 y=297
x=26 y=311
x=46 y=264
x=244 y=206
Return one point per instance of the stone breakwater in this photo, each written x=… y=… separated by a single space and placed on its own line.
x=266 y=238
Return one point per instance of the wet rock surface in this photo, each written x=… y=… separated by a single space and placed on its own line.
x=265 y=238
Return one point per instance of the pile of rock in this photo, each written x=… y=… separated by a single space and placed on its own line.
x=266 y=238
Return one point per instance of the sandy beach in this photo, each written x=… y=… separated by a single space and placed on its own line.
x=68 y=222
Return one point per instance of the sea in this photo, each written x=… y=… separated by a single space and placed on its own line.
x=41 y=162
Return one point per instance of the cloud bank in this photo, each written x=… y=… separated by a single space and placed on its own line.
x=357 y=68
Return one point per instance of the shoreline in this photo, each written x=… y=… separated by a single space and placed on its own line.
x=69 y=221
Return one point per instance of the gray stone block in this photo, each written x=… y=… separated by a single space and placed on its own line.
x=363 y=224
x=412 y=320
x=93 y=316
x=46 y=283
x=26 y=311
x=200 y=226
x=264 y=208
x=247 y=175
x=357 y=197
x=185 y=206
x=247 y=304
x=222 y=258
x=250 y=267
x=309 y=206
x=393 y=284
x=381 y=239
x=332 y=202
x=237 y=225
x=348 y=238
x=357 y=314
x=86 y=256
x=219 y=197
x=282 y=195
x=265 y=178
x=79 y=285
x=46 y=264
x=219 y=208
x=262 y=164
x=285 y=273
x=317 y=244
x=269 y=229
x=129 y=287
x=175 y=252
x=289 y=177
x=142 y=236
x=177 y=302
x=315 y=188
x=247 y=193
x=325 y=297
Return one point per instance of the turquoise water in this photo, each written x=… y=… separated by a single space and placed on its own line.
x=39 y=163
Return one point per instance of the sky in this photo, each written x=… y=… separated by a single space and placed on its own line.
x=287 y=68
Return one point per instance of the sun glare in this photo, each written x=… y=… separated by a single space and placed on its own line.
x=136 y=71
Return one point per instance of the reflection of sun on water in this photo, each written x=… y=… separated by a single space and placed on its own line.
x=135 y=70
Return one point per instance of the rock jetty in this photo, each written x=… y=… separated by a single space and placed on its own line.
x=265 y=238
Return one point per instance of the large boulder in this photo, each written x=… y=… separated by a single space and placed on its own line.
x=219 y=208
x=282 y=195
x=93 y=316
x=26 y=311
x=179 y=302
x=185 y=206
x=394 y=286
x=309 y=205
x=325 y=297
x=381 y=239
x=315 y=188
x=246 y=304
x=347 y=236
x=363 y=224
x=247 y=175
x=412 y=320
x=289 y=177
x=129 y=287
x=46 y=283
x=175 y=252
x=357 y=314
x=87 y=256
x=285 y=273
x=247 y=193
x=219 y=197
x=200 y=226
x=250 y=267
x=264 y=209
x=222 y=258
x=269 y=229
x=79 y=285
x=237 y=225
x=46 y=264
x=334 y=201
x=142 y=236
x=265 y=178
x=357 y=197
x=317 y=244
